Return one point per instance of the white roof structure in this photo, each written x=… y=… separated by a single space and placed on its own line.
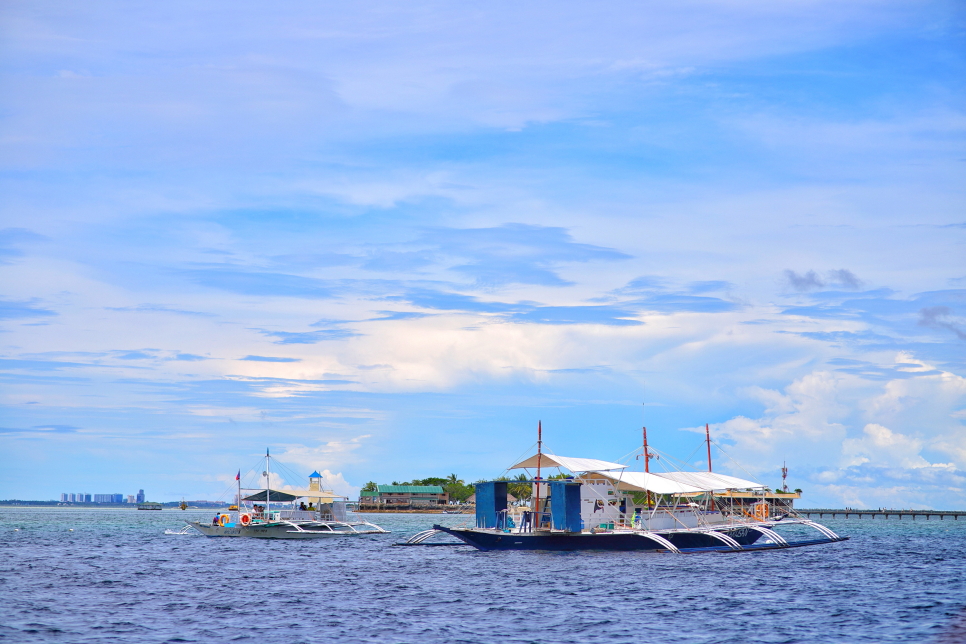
x=284 y=496
x=678 y=482
x=644 y=482
x=712 y=481
x=568 y=463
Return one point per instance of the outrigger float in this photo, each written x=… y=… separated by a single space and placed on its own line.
x=603 y=506
x=324 y=516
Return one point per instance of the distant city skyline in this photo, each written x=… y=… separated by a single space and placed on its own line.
x=386 y=240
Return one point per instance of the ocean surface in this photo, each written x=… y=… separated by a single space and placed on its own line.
x=90 y=575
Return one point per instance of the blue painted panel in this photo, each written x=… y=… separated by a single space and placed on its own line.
x=565 y=505
x=490 y=503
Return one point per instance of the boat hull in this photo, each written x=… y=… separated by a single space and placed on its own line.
x=271 y=531
x=569 y=541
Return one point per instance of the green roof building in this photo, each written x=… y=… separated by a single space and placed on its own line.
x=406 y=495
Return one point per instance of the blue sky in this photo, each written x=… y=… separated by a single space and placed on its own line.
x=385 y=240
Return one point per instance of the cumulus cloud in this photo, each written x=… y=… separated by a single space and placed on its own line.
x=811 y=281
x=882 y=446
x=845 y=278
x=806 y=282
x=325 y=458
x=939 y=317
x=905 y=433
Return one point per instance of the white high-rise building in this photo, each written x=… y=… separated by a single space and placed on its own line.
x=64 y=497
x=72 y=497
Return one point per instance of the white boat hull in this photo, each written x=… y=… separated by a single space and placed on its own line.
x=286 y=530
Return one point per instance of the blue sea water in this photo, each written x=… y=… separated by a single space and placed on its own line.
x=118 y=578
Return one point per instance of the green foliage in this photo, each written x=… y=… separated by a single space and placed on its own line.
x=370 y=487
x=452 y=485
x=798 y=490
x=521 y=490
x=432 y=480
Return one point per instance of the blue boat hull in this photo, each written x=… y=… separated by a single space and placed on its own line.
x=621 y=541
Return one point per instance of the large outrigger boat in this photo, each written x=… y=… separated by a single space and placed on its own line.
x=601 y=505
x=253 y=515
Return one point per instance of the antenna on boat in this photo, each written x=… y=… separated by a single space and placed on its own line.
x=707 y=438
x=536 y=503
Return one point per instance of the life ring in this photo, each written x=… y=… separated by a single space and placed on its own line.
x=246 y=519
x=762 y=510
x=224 y=520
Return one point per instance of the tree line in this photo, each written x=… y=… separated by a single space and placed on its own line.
x=458 y=490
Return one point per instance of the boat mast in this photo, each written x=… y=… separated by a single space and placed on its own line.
x=647 y=457
x=707 y=438
x=268 y=483
x=536 y=504
x=647 y=464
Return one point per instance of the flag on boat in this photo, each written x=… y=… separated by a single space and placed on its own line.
x=238 y=476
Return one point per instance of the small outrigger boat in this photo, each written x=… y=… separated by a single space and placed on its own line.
x=324 y=516
x=603 y=506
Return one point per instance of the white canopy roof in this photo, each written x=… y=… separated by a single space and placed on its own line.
x=677 y=482
x=568 y=463
x=712 y=480
x=284 y=496
x=644 y=482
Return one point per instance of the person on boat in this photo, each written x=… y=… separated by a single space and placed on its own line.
x=311 y=508
x=302 y=506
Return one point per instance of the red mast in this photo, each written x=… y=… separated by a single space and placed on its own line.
x=707 y=437
x=647 y=457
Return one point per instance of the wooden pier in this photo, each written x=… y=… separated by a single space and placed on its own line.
x=849 y=513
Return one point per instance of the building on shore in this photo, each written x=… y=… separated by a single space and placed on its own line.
x=404 y=496
x=471 y=500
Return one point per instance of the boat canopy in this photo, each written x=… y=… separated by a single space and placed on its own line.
x=678 y=482
x=279 y=496
x=568 y=463
x=645 y=482
x=712 y=481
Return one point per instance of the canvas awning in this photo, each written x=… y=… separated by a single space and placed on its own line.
x=712 y=481
x=568 y=463
x=286 y=496
x=646 y=482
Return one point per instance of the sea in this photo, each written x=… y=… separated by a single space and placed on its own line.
x=92 y=575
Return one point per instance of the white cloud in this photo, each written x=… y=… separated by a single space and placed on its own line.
x=881 y=446
x=326 y=455
x=910 y=449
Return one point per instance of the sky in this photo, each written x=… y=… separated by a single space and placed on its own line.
x=385 y=239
